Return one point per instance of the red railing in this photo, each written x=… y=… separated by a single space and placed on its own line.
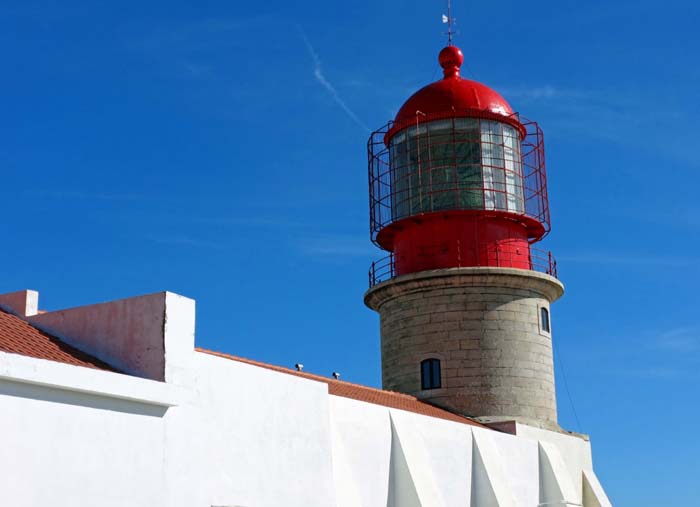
x=539 y=260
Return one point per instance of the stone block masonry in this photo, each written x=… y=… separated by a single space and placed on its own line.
x=483 y=324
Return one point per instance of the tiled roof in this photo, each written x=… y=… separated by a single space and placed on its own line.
x=19 y=337
x=362 y=393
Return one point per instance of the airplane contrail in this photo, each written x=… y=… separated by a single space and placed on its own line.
x=318 y=74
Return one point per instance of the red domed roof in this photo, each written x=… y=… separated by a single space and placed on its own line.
x=452 y=93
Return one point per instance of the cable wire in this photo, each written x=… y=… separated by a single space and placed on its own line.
x=566 y=385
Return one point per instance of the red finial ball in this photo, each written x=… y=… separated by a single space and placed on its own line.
x=451 y=59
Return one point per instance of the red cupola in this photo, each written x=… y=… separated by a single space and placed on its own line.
x=457 y=179
x=453 y=93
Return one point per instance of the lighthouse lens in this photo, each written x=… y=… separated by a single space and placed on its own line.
x=456 y=164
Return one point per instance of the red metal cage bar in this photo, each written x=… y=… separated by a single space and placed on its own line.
x=390 y=179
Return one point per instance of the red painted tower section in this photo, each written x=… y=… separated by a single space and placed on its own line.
x=457 y=179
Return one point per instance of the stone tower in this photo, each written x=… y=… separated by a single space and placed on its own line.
x=458 y=197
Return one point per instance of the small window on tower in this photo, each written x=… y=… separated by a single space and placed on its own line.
x=430 y=373
x=544 y=319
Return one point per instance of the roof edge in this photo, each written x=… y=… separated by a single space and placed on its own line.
x=359 y=392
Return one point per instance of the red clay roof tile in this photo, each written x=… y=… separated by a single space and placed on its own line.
x=20 y=337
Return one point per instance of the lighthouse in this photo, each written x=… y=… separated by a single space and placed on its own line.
x=458 y=199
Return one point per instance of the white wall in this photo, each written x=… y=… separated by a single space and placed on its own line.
x=361 y=446
x=251 y=437
x=389 y=457
x=241 y=435
x=73 y=449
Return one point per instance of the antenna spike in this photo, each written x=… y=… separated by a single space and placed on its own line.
x=450 y=21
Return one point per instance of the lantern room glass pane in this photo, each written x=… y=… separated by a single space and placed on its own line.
x=459 y=163
x=513 y=169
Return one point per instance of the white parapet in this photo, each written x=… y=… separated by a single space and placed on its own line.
x=148 y=336
x=24 y=303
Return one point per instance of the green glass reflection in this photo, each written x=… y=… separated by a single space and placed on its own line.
x=460 y=163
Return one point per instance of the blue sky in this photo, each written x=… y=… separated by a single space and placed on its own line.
x=217 y=150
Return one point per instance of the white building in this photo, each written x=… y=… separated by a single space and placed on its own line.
x=113 y=405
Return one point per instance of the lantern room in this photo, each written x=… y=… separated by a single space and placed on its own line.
x=458 y=179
